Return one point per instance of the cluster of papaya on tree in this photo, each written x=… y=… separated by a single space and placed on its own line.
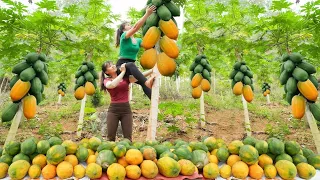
x=265 y=88
x=62 y=89
x=242 y=83
x=27 y=86
x=299 y=85
x=162 y=26
x=86 y=77
x=200 y=76
x=211 y=158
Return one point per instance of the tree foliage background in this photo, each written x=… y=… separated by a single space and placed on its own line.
x=257 y=31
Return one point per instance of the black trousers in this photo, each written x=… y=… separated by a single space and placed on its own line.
x=131 y=69
x=119 y=112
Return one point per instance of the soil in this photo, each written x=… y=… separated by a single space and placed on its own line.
x=225 y=124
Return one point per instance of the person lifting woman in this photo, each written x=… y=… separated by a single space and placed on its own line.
x=118 y=88
x=129 y=48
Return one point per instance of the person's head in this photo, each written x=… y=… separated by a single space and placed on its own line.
x=107 y=69
x=125 y=26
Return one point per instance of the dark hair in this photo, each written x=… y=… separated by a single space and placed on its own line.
x=120 y=32
x=103 y=70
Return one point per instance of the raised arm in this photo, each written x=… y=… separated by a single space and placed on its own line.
x=115 y=82
x=132 y=79
x=139 y=24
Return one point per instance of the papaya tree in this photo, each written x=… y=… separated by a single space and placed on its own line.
x=27 y=87
x=200 y=82
x=162 y=62
x=223 y=30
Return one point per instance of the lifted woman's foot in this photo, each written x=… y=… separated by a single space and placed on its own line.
x=150 y=81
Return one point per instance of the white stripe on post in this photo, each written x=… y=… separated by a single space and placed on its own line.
x=81 y=116
x=14 y=125
x=153 y=117
x=247 y=125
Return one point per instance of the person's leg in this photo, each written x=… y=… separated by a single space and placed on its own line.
x=146 y=89
x=136 y=72
x=145 y=83
x=121 y=61
x=126 y=120
x=131 y=69
x=112 y=125
x=126 y=124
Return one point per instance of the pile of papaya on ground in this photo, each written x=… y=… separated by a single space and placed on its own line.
x=98 y=159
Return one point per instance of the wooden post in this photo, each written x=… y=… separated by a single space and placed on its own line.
x=81 y=116
x=314 y=129
x=246 y=117
x=268 y=99
x=130 y=92
x=59 y=99
x=153 y=117
x=14 y=125
x=202 y=113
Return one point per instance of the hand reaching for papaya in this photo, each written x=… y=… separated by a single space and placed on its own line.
x=151 y=9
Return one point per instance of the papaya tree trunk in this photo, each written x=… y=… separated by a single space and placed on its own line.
x=268 y=99
x=81 y=116
x=14 y=125
x=202 y=113
x=160 y=81
x=314 y=129
x=153 y=116
x=247 y=125
x=2 y=84
x=6 y=85
x=246 y=117
x=59 y=99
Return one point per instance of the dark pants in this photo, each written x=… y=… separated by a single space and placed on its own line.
x=119 y=112
x=131 y=69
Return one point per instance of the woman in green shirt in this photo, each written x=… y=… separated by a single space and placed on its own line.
x=129 y=48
